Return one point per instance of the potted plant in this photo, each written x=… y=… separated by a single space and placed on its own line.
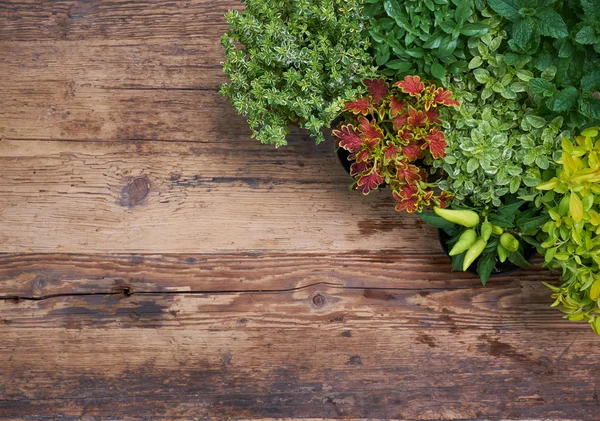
x=392 y=136
x=297 y=63
x=494 y=175
x=570 y=240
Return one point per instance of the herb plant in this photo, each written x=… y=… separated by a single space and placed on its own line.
x=300 y=63
x=497 y=145
x=559 y=41
x=391 y=135
x=428 y=37
x=570 y=241
x=488 y=237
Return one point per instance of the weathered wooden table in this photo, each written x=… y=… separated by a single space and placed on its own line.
x=157 y=263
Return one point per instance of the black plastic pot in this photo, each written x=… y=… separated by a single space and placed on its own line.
x=343 y=155
x=501 y=269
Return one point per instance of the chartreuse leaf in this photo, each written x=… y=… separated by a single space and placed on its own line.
x=576 y=207
x=595 y=290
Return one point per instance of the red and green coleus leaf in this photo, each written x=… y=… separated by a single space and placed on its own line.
x=397 y=106
x=370 y=132
x=436 y=142
x=378 y=89
x=411 y=85
x=444 y=96
x=360 y=106
x=358 y=168
x=417 y=118
x=443 y=199
x=390 y=152
x=408 y=196
x=370 y=181
x=400 y=121
x=412 y=151
x=348 y=137
x=433 y=116
x=408 y=173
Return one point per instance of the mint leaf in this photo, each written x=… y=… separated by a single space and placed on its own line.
x=565 y=99
x=505 y=8
x=586 y=35
x=538 y=86
x=523 y=31
x=551 y=24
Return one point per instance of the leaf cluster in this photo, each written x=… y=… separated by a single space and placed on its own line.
x=389 y=132
x=497 y=144
x=570 y=241
x=427 y=37
x=559 y=41
x=513 y=217
x=295 y=62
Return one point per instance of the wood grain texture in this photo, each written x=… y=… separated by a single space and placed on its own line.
x=230 y=195
x=380 y=354
x=41 y=20
x=158 y=264
x=39 y=276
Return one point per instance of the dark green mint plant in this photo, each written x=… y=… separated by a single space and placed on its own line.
x=427 y=37
x=295 y=62
x=559 y=41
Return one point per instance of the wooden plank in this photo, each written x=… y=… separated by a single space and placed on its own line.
x=176 y=197
x=392 y=354
x=45 y=275
x=65 y=110
x=35 y=20
x=189 y=63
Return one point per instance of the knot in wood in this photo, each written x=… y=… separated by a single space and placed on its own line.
x=137 y=190
x=318 y=300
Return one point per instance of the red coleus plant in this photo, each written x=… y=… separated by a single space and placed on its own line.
x=392 y=134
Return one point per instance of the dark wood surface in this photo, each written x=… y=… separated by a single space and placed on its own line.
x=158 y=264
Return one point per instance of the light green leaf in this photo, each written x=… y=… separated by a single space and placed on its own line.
x=576 y=207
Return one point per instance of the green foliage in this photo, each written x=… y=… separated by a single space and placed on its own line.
x=300 y=63
x=512 y=217
x=497 y=145
x=559 y=42
x=427 y=37
x=570 y=241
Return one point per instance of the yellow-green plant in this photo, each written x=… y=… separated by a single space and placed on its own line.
x=570 y=241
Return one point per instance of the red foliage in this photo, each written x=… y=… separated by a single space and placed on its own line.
x=411 y=85
x=388 y=132
x=369 y=181
x=378 y=90
x=360 y=106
